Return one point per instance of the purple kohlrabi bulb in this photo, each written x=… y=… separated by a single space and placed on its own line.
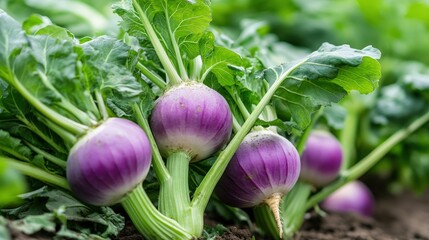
x=108 y=162
x=353 y=197
x=264 y=164
x=321 y=159
x=192 y=118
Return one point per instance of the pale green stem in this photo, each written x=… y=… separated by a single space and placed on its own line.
x=37 y=173
x=175 y=193
x=149 y=221
x=241 y=105
x=55 y=160
x=65 y=104
x=157 y=162
x=235 y=125
x=68 y=138
x=293 y=208
x=13 y=153
x=157 y=80
x=348 y=137
x=101 y=106
x=172 y=74
x=66 y=123
x=42 y=135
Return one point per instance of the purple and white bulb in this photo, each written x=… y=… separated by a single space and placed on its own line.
x=321 y=159
x=353 y=197
x=264 y=168
x=108 y=162
x=192 y=118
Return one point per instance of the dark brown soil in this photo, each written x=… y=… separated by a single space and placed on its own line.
x=404 y=217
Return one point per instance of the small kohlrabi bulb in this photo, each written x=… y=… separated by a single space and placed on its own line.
x=264 y=168
x=321 y=159
x=191 y=118
x=354 y=197
x=108 y=162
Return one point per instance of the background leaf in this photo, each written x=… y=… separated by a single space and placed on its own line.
x=326 y=76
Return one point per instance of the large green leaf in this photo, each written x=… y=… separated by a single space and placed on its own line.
x=178 y=25
x=219 y=60
x=12 y=39
x=106 y=71
x=180 y=22
x=324 y=77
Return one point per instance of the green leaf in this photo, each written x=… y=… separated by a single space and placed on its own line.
x=12 y=40
x=47 y=207
x=41 y=25
x=58 y=64
x=106 y=71
x=219 y=60
x=173 y=27
x=32 y=224
x=395 y=103
x=324 y=77
x=179 y=23
x=335 y=116
x=105 y=66
x=13 y=147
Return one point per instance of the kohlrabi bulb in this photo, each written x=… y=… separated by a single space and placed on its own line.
x=108 y=162
x=192 y=118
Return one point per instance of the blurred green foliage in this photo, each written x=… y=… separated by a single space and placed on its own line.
x=12 y=183
x=398 y=28
x=81 y=17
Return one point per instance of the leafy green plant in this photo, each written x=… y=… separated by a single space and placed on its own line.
x=59 y=92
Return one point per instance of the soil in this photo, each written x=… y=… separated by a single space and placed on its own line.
x=402 y=217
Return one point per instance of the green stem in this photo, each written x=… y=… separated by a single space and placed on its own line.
x=55 y=160
x=153 y=77
x=265 y=220
x=101 y=106
x=13 y=153
x=148 y=220
x=172 y=74
x=37 y=173
x=157 y=162
x=182 y=69
x=65 y=104
x=240 y=105
x=205 y=189
x=66 y=123
x=348 y=137
x=293 y=208
x=41 y=134
x=175 y=193
x=235 y=125
x=174 y=198
x=369 y=161
x=196 y=67
x=303 y=140
x=273 y=203
x=68 y=138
